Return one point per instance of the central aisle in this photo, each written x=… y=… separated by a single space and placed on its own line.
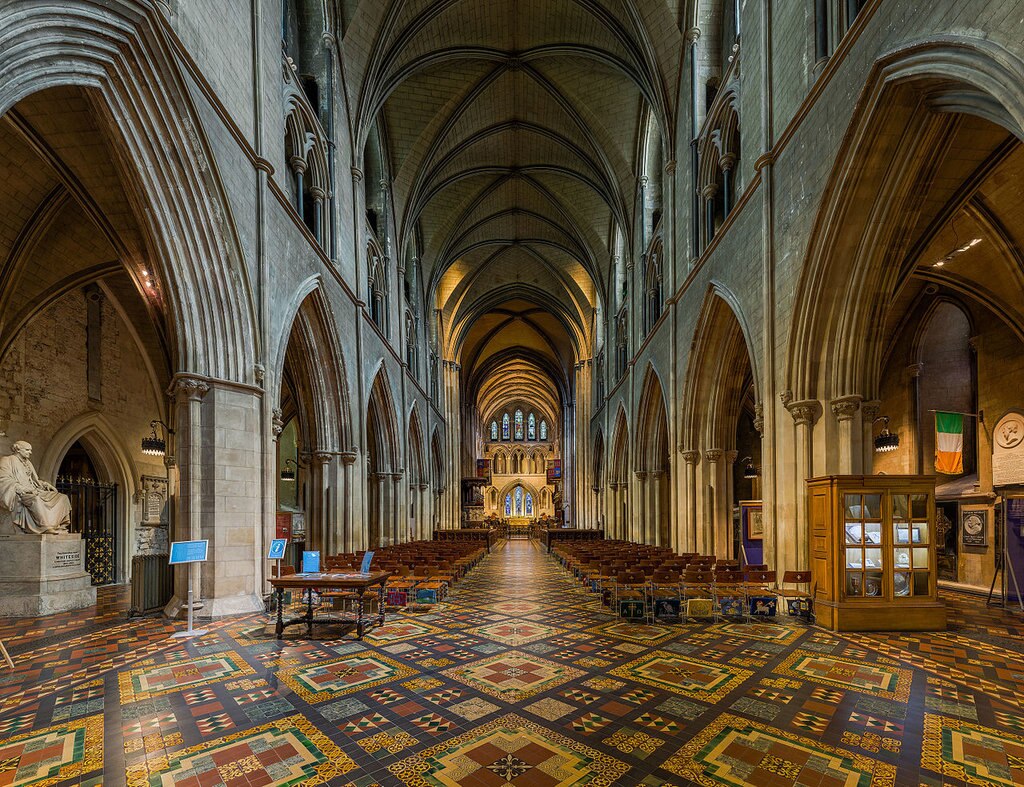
x=519 y=678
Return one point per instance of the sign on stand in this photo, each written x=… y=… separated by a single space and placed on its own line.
x=188 y=553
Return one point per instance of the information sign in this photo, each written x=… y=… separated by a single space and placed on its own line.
x=277 y=548
x=188 y=552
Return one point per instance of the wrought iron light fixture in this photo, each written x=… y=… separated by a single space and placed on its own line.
x=288 y=474
x=749 y=471
x=886 y=441
x=154 y=445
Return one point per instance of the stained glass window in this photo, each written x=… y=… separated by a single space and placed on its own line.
x=504 y=427
x=519 y=424
x=508 y=504
x=494 y=430
x=529 y=504
x=531 y=428
x=543 y=430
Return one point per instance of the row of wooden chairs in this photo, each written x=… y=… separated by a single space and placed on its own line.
x=642 y=582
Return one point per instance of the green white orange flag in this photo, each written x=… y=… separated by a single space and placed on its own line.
x=949 y=443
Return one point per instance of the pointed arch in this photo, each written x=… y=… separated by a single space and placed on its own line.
x=834 y=348
x=720 y=369
x=185 y=215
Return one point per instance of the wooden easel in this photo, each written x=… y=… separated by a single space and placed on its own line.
x=6 y=655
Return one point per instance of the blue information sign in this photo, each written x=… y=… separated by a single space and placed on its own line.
x=188 y=552
x=277 y=547
x=367 y=559
x=310 y=562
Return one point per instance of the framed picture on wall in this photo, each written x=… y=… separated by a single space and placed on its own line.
x=750 y=518
x=974 y=526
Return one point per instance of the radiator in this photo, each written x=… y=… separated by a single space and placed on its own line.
x=152 y=583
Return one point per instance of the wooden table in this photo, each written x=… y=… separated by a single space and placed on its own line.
x=350 y=582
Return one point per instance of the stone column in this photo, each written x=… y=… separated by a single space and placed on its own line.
x=845 y=409
x=717 y=534
x=729 y=465
x=869 y=412
x=657 y=478
x=348 y=460
x=640 y=526
x=793 y=546
x=689 y=540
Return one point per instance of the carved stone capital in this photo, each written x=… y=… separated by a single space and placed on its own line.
x=714 y=454
x=190 y=388
x=845 y=407
x=805 y=411
x=870 y=409
x=759 y=418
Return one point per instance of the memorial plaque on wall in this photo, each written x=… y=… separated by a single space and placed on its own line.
x=974 y=526
x=1008 y=450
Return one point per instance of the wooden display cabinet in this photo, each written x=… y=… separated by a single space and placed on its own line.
x=872 y=544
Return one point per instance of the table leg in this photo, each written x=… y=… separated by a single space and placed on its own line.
x=359 y=613
x=309 y=614
x=279 y=629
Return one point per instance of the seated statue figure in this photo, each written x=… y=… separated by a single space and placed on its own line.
x=34 y=506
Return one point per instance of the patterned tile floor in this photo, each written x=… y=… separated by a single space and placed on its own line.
x=517 y=680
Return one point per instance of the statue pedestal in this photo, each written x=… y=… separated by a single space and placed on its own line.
x=42 y=575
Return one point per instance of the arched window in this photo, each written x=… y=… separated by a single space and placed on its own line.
x=508 y=504
x=531 y=428
x=378 y=285
x=529 y=505
x=519 y=424
x=504 y=427
x=543 y=430
x=519 y=501
x=494 y=430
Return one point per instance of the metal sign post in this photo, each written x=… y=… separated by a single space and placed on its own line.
x=189 y=553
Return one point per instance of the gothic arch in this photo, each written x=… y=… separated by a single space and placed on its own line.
x=188 y=230
x=114 y=464
x=834 y=349
x=720 y=368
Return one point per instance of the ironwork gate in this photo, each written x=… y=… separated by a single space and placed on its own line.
x=94 y=514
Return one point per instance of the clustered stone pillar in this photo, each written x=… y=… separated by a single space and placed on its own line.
x=690 y=540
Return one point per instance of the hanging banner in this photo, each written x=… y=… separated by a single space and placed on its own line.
x=949 y=443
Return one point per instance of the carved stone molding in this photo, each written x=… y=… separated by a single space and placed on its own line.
x=845 y=407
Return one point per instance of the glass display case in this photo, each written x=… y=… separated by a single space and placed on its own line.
x=872 y=553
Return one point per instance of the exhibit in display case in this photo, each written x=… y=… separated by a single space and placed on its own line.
x=872 y=553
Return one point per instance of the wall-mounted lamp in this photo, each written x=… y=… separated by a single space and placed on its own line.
x=749 y=471
x=154 y=445
x=886 y=441
x=288 y=474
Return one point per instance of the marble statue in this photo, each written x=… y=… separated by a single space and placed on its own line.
x=35 y=506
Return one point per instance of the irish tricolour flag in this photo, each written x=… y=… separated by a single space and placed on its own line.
x=949 y=443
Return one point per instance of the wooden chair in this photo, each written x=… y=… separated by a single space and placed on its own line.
x=799 y=600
